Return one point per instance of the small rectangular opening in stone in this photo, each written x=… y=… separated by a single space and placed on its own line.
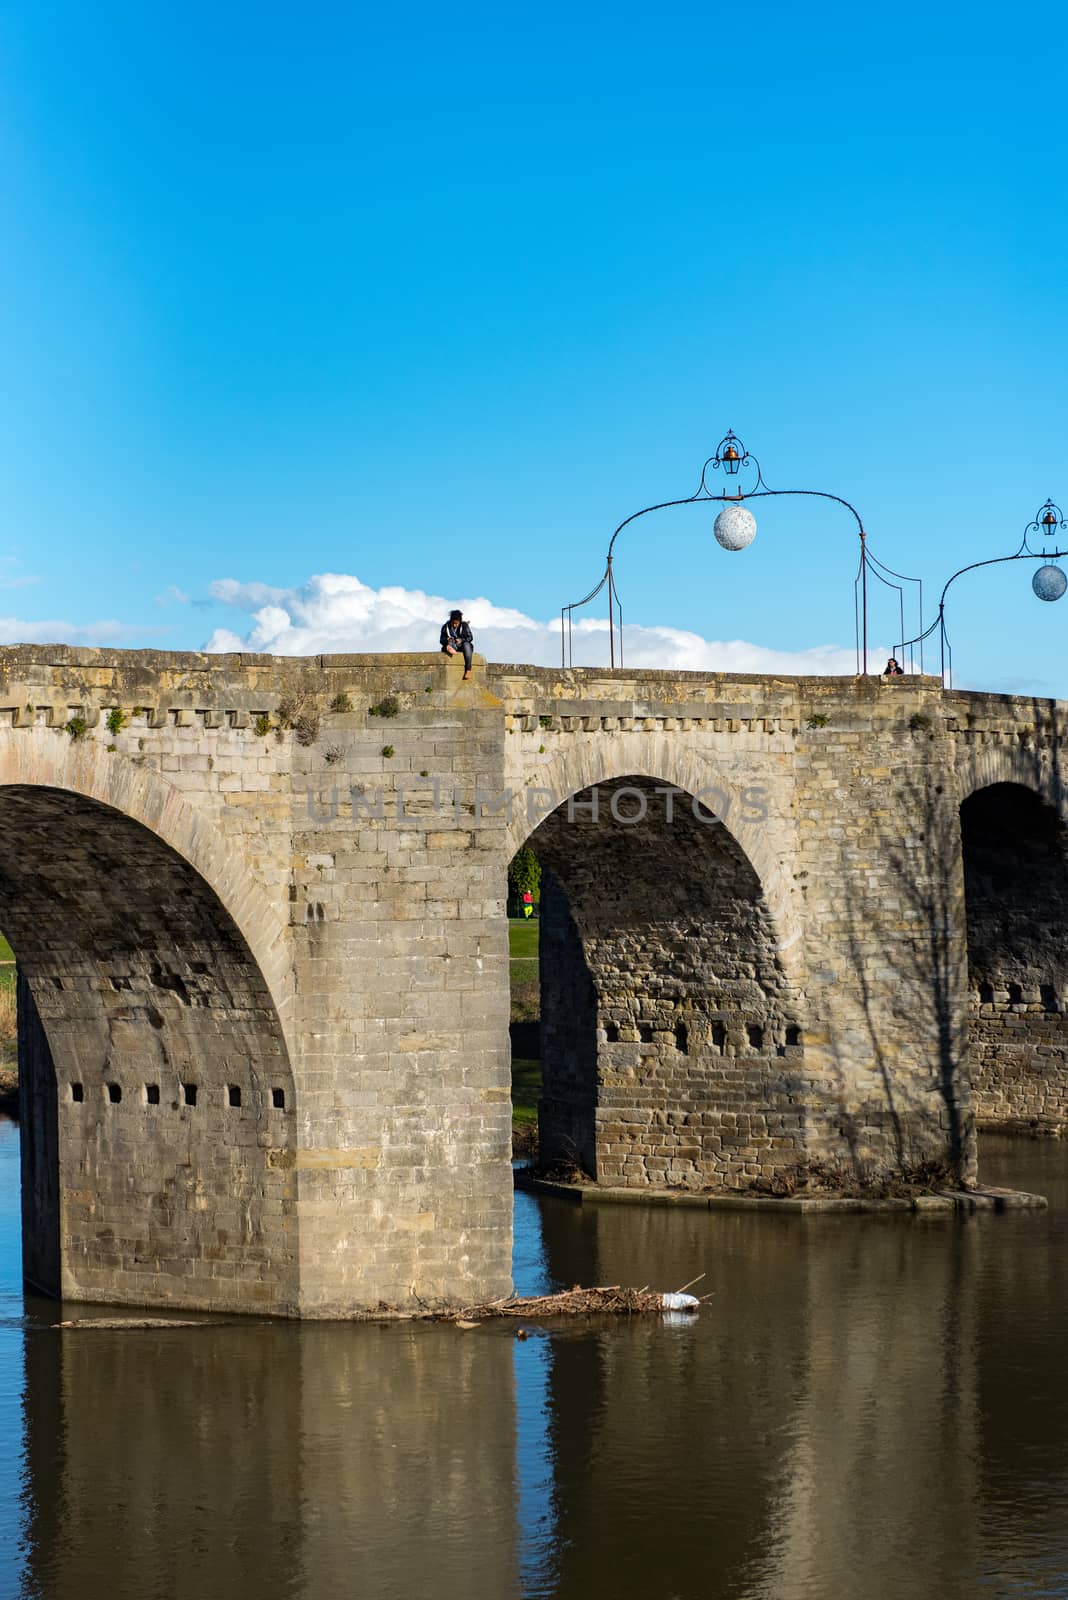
x=645 y=1032
x=1049 y=997
x=793 y=1035
x=719 y=1036
x=756 y=1035
x=77 y=1093
x=682 y=1037
x=152 y=1094
x=1015 y=995
x=114 y=1093
x=986 y=994
x=234 y=1094
x=611 y=1033
x=278 y=1099
x=190 y=1092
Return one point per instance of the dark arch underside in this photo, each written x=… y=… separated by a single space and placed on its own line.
x=1015 y=851
x=671 y=1040
x=156 y=1093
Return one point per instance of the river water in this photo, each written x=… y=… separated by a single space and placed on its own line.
x=869 y=1407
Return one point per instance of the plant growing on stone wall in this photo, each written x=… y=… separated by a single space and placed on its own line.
x=115 y=720
x=299 y=714
x=387 y=750
x=341 y=702
x=388 y=706
x=546 y=722
x=77 y=727
x=817 y=720
x=332 y=754
x=262 y=725
x=111 y=747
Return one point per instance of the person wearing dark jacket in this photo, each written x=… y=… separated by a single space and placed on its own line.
x=456 y=636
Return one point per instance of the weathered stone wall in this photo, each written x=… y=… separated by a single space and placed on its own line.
x=1015 y=851
x=38 y=1149
x=341 y=924
x=244 y=878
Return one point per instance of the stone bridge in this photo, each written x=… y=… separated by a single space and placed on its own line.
x=789 y=926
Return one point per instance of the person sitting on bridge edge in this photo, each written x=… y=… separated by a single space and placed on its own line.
x=893 y=669
x=456 y=635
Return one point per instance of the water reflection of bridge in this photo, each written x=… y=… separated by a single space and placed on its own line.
x=844 y=1413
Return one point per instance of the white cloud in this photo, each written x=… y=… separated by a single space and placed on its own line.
x=335 y=613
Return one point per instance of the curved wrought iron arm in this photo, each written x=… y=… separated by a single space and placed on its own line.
x=996 y=561
x=760 y=491
x=974 y=566
x=698 y=499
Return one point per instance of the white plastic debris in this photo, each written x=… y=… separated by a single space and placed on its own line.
x=680 y=1302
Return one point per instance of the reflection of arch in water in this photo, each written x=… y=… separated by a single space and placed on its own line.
x=1015 y=854
x=157 y=1097
x=671 y=1039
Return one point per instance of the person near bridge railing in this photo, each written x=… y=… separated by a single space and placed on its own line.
x=456 y=637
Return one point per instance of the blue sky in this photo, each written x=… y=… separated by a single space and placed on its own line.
x=435 y=299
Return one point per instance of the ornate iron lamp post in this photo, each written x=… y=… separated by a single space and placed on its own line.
x=735 y=529
x=1048 y=582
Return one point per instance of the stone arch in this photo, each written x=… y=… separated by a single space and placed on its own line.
x=158 y=1099
x=666 y=759
x=670 y=1026
x=1014 y=854
x=43 y=757
x=982 y=766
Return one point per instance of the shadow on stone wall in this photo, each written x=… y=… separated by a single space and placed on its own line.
x=911 y=1109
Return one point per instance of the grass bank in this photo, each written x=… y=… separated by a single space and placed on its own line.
x=525 y=1025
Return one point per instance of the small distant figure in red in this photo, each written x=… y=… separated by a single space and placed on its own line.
x=893 y=669
x=528 y=903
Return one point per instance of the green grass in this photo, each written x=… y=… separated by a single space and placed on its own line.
x=526 y=1087
x=6 y=952
x=526 y=1068
x=523 y=938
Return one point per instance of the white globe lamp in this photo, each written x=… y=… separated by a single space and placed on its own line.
x=735 y=528
x=1049 y=583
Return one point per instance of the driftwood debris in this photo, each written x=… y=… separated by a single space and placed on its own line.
x=579 y=1302
x=113 y=1323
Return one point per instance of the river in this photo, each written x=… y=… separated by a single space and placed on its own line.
x=869 y=1406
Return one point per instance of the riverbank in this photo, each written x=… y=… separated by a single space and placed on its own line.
x=945 y=1200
